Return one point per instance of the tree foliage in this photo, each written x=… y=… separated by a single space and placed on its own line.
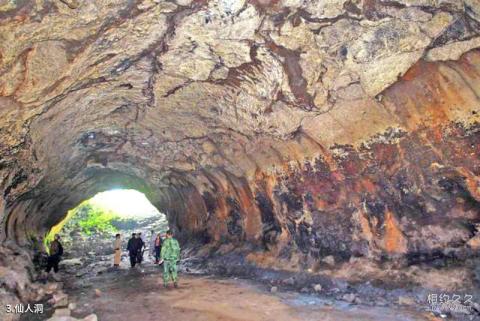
x=91 y=218
x=88 y=217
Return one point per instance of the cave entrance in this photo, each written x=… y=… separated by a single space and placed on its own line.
x=88 y=230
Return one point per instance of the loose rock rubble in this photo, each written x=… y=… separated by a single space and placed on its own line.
x=335 y=138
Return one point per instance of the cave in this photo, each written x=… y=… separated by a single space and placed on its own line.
x=327 y=150
x=89 y=230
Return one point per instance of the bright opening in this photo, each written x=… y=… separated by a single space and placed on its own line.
x=125 y=203
x=91 y=226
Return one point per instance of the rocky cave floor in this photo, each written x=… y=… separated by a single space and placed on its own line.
x=228 y=288
x=239 y=282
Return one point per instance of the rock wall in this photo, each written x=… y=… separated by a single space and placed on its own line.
x=411 y=191
x=345 y=128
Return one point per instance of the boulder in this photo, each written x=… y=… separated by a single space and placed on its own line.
x=52 y=287
x=62 y=312
x=289 y=281
x=330 y=260
x=349 y=297
x=406 y=300
x=91 y=317
x=59 y=299
x=71 y=262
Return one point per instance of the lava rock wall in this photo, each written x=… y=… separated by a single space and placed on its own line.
x=344 y=128
x=411 y=192
x=291 y=131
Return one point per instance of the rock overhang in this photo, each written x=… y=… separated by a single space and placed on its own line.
x=215 y=107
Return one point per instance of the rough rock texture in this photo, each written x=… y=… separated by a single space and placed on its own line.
x=342 y=127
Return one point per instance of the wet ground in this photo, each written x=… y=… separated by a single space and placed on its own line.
x=139 y=295
x=228 y=288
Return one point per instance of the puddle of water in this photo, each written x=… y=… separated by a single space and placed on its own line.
x=316 y=303
x=302 y=300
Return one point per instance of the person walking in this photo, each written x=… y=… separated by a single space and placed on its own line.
x=157 y=248
x=170 y=254
x=55 y=253
x=141 y=248
x=151 y=245
x=118 y=251
x=132 y=248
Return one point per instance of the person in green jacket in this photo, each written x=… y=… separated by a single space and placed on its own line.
x=170 y=255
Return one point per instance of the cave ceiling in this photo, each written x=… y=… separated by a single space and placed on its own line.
x=160 y=90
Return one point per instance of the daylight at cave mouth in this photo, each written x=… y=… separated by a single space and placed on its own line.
x=240 y=160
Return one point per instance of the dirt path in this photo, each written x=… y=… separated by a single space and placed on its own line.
x=136 y=296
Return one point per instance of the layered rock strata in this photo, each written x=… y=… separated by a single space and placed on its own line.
x=343 y=127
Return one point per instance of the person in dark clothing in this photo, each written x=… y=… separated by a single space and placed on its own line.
x=56 y=251
x=132 y=248
x=158 y=248
x=140 y=246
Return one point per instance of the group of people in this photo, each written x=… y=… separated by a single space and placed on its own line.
x=166 y=251
x=135 y=248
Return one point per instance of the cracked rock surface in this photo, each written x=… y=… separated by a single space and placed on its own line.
x=340 y=127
